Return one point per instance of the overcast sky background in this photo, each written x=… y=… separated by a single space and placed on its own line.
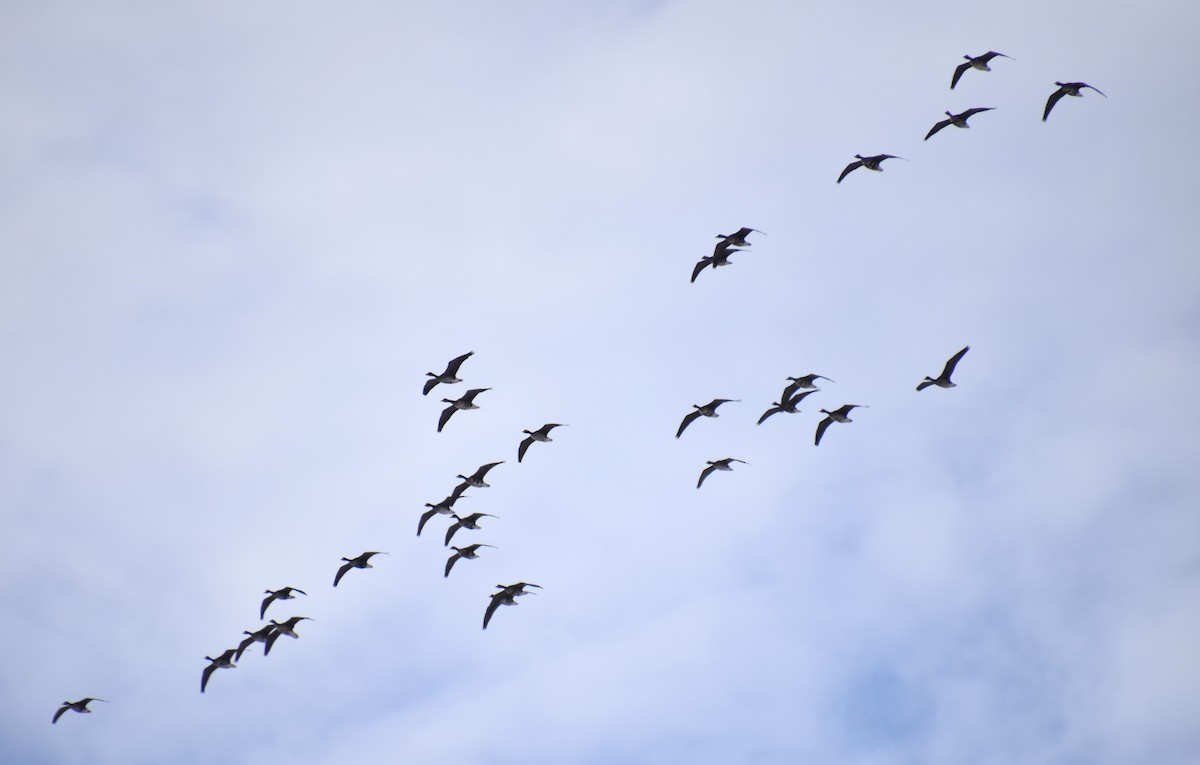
x=234 y=237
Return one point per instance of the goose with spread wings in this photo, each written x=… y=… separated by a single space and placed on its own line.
x=871 y=163
x=1066 y=89
x=470 y=552
x=541 y=434
x=224 y=661
x=841 y=414
x=713 y=465
x=460 y=404
x=470 y=522
x=786 y=405
x=706 y=410
x=80 y=706
x=975 y=62
x=506 y=596
x=283 y=628
x=285 y=593
x=362 y=561
x=957 y=120
x=943 y=380
x=450 y=376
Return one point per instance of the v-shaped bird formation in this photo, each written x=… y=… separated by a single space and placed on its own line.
x=794 y=393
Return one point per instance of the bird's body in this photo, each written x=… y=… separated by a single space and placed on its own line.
x=449 y=377
x=736 y=239
x=362 y=561
x=721 y=464
x=285 y=593
x=541 y=434
x=507 y=596
x=871 y=163
x=719 y=258
x=807 y=382
x=224 y=661
x=470 y=522
x=467 y=401
x=957 y=120
x=283 y=628
x=445 y=507
x=1066 y=89
x=470 y=552
x=975 y=62
x=475 y=480
x=786 y=405
x=841 y=414
x=258 y=636
x=80 y=706
x=706 y=410
x=943 y=380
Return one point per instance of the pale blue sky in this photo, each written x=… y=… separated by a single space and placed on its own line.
x=236 y=236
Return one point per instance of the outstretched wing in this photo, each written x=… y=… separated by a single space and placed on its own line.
x=822 y=426
x=446 y=413
x=342 y=572
x=700 y=267
x=450 y=563
x=924 y=384
x=455 y=363
x=497 y=599
x=65 y=707
x=936 y=128
x=849 y=168
x=953 y=362
x=420 y=525
x=705 y=474
x=523 y=448
x=688 y=419
x=768 y=413
x=454 y=527
x=1055 y=97
x=207 y=673
x=266 y=602
x=958 y=72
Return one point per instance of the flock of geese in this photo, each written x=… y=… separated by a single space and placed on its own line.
x=796 y=390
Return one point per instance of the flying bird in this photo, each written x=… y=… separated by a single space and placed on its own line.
x=786 y=405
x=1066 y=89
x=722 y=464
x=975 y=62
x=283 y=628
x=449 y=377
x=362 y=561
x=871 y=163
x=287 y=593
x=80 y=706
x=466 y=402
x=258 y=636
x=737 y=238
x=943 y=380
x=541 y=434
x=475 y=480
x=807 y=382
x=224 y=661
x=470 y=522
x=507 y=596
x=841 y=414
x=957 y=120
x=470 y=552
x=708 y=410
x=719 y=258
x=445 y=507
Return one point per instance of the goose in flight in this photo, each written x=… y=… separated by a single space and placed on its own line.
x=1066 y=89
x=722 y=464
x=957 y=120
x=541 y=434
x=475 y=480
x=871 y=163
x=224 y=661
x=287 y=593
x=470 y=552
x=736 y=239
x=80 y=706
x=507 y=596
x=258 y=636
x=943 y=380
x=283 y=628
x=718 y=259
x=787 y=405
x=466 y=402
x=708 y=410
x=445 y=507
x=450 y=376
x=470 y=522
x=807 y=382
x=841 y=414
x=362 y=561
x=975 y=62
